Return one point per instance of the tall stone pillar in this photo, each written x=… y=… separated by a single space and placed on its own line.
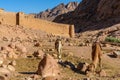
x=19 y=18
x=71 y=31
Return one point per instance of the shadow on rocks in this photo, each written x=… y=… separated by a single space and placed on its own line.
x=71 y=66
x=111 y=55
x=27 y=72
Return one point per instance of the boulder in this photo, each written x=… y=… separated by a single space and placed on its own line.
x=12 y=55
x=82 y=66
x=23 y=55
x=21 y=48
x=3 y=56
x=15 y=56
x=37 y=44
x=28 y=78
x=70 y=44
x=116 y=54
x=6 y=48
x=13 y=63
x=48 y=66
x=51 y=49
x=11 y=68
x=35 y=77
x=12 y=45
x=70 y=54
x=107 y=45
x=55 y=55
x=86 y=79
x=102 y=73
x=1 y=60
x=82 y=44
x=43 y=49
x=5 y=39
x=4 y=66
x=2 y=77
x=90 y=74
x=49 y=78
x=38 y=53
x=4 y=71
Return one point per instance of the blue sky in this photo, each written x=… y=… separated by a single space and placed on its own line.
x=30 y=6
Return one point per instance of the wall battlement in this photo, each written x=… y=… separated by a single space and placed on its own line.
x=29 y=21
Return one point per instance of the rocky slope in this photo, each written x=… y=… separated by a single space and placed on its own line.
x=92 y=15
x=50 y=14
x=22 y=48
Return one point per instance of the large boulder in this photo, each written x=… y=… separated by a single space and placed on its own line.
x=48 y=67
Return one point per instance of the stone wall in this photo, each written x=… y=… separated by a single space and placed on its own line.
x=47 y=26
x=29 y=21
x=7 y=18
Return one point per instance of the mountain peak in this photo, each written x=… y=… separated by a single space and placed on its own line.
x=50 y=14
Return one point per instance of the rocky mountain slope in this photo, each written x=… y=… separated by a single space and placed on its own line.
x=50 y=14
x=92 y=15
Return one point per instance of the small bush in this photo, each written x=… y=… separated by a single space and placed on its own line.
x=112 y=39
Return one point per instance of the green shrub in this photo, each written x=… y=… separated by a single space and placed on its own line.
x=112 y=39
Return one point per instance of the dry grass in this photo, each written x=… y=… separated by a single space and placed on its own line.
x=28 y=66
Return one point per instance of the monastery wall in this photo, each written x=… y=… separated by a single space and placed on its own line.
x=47 y=26
x=22 y=19
x=7 y=18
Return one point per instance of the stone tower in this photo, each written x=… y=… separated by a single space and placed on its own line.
x=71 y=31
x=19 y=18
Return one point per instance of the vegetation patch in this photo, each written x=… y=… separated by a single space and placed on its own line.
x=112 y=39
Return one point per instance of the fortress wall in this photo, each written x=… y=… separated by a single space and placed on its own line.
x=47 y=26
x=29 y=21
x=8 y=18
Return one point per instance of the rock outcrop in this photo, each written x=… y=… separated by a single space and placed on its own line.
x=48 y=67
x=50 y=14
x=92 y=15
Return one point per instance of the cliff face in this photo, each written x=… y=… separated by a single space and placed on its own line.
x=50 y=14
x=108 y=8
x=87 y=7
x=92 y=14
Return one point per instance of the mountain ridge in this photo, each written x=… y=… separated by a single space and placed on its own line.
x=62 y=8
x=92 y=15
